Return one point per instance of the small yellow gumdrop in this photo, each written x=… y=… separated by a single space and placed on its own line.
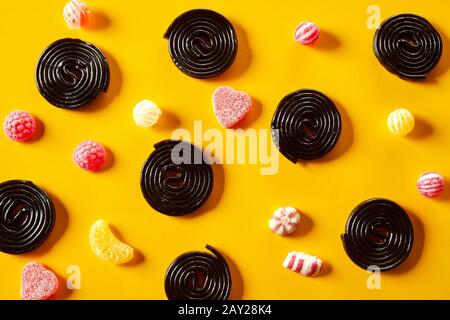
x=401 y=122
x=106 y=246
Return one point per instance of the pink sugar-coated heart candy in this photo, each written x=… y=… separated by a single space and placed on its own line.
x=38 y=283
x=230 y=106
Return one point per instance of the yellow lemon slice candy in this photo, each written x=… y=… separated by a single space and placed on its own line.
x=106 y=246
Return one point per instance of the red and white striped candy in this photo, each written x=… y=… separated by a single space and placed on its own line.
x=284 y=221
x=303 y=264
x=431 y=184
x=307 y=33
x=76 y=13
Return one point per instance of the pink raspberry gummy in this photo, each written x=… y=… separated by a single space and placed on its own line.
x=19 y=126
x=89 y=155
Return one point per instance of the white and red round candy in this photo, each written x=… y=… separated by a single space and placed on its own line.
x=431 y=184
x=307 y=33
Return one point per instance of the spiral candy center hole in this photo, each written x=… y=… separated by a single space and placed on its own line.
x=409 y=42
x=380 y=234
x=173 y=177
x=198 y=281
x=72 y=72
x=202 y=44
x=309 y=129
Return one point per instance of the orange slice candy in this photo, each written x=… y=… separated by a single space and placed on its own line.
x=106 y=246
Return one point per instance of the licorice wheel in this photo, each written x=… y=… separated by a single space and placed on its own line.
x=71 y=73
x=378 y=233
x=202 y=43
x=175 y=179
x=306 y=125
x=27 y=216
x=198 y=276
x=408 y=45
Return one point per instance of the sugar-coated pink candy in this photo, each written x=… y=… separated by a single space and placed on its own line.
x=304 y=264
x=89 y=155
x=19 y=126
x=38 y=283
x=307 y=33
x=431 y=184
x=284 y=221
x=230 y=106
x=76 y=14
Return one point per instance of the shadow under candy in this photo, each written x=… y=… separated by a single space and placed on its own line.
x=98 y=20
x=63 y=291
x=242 y=61
x=252 y=116
x=237 y=282
x=417 y=248
x=61 y=223
x=168 y=121
x=40 y=130
x=327 y=41
x=104 y=99
x=216 y=193
x=444 y=63
x=422 y=129
x=345 y=139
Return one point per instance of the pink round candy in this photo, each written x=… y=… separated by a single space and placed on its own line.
x=307 y=33
x=89 y=155
x=19 y=126
x=76 y=14
x=284 y=221
x=431 y=184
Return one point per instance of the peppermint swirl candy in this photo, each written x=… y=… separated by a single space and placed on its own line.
x=408 y=45
x=71 y=73
x=27 y=216
x=175 y=179
x=306 y=125
x=198 y=276
x=202 y=43
x=378 y=233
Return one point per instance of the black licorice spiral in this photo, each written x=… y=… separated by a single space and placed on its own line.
x=27 y=216
x=71 y=73
x=198 y=276
x=202 y=43
x=306 y=125
x=174 y=187
x=378 y=233
x=408 y=46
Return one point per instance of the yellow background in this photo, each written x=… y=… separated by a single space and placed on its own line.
x=368 y=161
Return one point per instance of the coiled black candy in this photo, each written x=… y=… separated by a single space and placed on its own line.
x=27 y=216
x=408 y=46
x=175 y=179
x=198 y=276
x=202 y=43
x=306 y=125
x=378 y=233
x=71 y=73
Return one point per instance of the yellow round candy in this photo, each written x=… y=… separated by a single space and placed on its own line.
x=401 y=122
x=106 y=246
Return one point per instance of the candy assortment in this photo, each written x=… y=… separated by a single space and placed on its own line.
x=306 y=125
